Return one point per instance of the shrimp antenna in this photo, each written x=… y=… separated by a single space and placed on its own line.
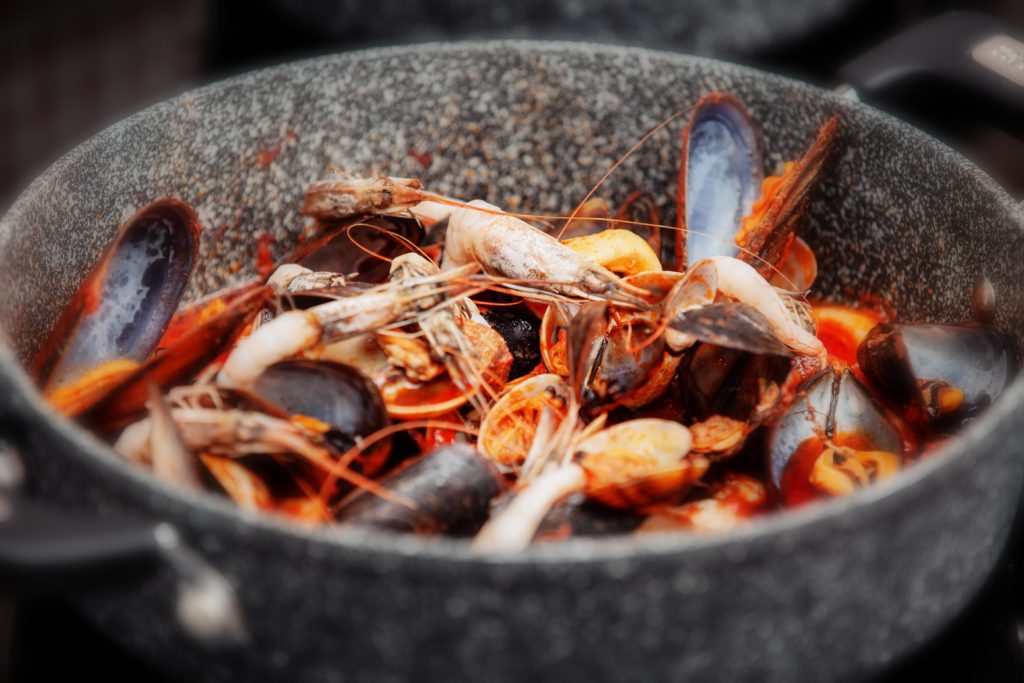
x=639 y=143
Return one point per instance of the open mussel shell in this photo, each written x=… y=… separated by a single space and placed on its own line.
x=122 y=308
x=450 y=487
x=720 y=178
x=939 y=374
x=782 y=210
x=833 y=406
x=337 y=395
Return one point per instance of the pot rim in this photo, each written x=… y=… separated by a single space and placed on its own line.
x=444 y=550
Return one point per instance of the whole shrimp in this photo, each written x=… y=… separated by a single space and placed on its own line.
x=477 y=233
x=195 y=421
x=393 y=304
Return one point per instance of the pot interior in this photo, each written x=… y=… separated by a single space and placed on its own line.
x=529 y=127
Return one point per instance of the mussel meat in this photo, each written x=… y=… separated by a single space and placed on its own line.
x=832 y=439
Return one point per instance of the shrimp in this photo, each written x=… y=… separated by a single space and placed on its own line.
x=227 y=432
x=292 y=332
x=443 y=327
x=291 y=277
x=233 y=433
x=724 y=276
x=477 y=233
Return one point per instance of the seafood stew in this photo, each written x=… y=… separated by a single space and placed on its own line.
x=528 y=127
x=455 y=367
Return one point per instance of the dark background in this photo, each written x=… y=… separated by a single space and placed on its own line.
x=68 y=68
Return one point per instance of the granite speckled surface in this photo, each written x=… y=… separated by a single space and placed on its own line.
x=828 y=592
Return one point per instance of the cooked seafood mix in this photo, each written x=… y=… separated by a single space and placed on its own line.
x=431 y=365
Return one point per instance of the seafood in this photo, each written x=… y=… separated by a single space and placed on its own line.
x=432 y=365
x=719 y=178
x=692 y=306
x=833 y=439
x=477 y=233
x=451 y=488
x=126 y=302
x=336 y=395
x=391 y=304
x=108 y=404
x=941 y=374
x=631 y=465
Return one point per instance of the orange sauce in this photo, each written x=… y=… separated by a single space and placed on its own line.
x=841 y=329
x=796 y=488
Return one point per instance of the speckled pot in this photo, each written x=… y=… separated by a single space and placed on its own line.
x=708 y=27
x=828 y=592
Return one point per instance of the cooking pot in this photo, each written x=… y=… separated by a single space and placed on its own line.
x=830 y=591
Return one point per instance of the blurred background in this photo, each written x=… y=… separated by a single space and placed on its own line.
x=72 y=67
x=69 y=68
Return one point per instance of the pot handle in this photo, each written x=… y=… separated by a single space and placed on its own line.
x=976 y=54
x=44 y=551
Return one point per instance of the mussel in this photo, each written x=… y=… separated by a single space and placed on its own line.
x=726 y=205
x=336 y=395
x=451 y=488
x=832 y=439
x=123 y=393
x=719 y=178
x=521 y=332
x=124 y=305
x=939 y=374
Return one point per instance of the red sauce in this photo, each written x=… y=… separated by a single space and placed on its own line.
x=422 y=158
x=264 y=257
x=266 y=157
